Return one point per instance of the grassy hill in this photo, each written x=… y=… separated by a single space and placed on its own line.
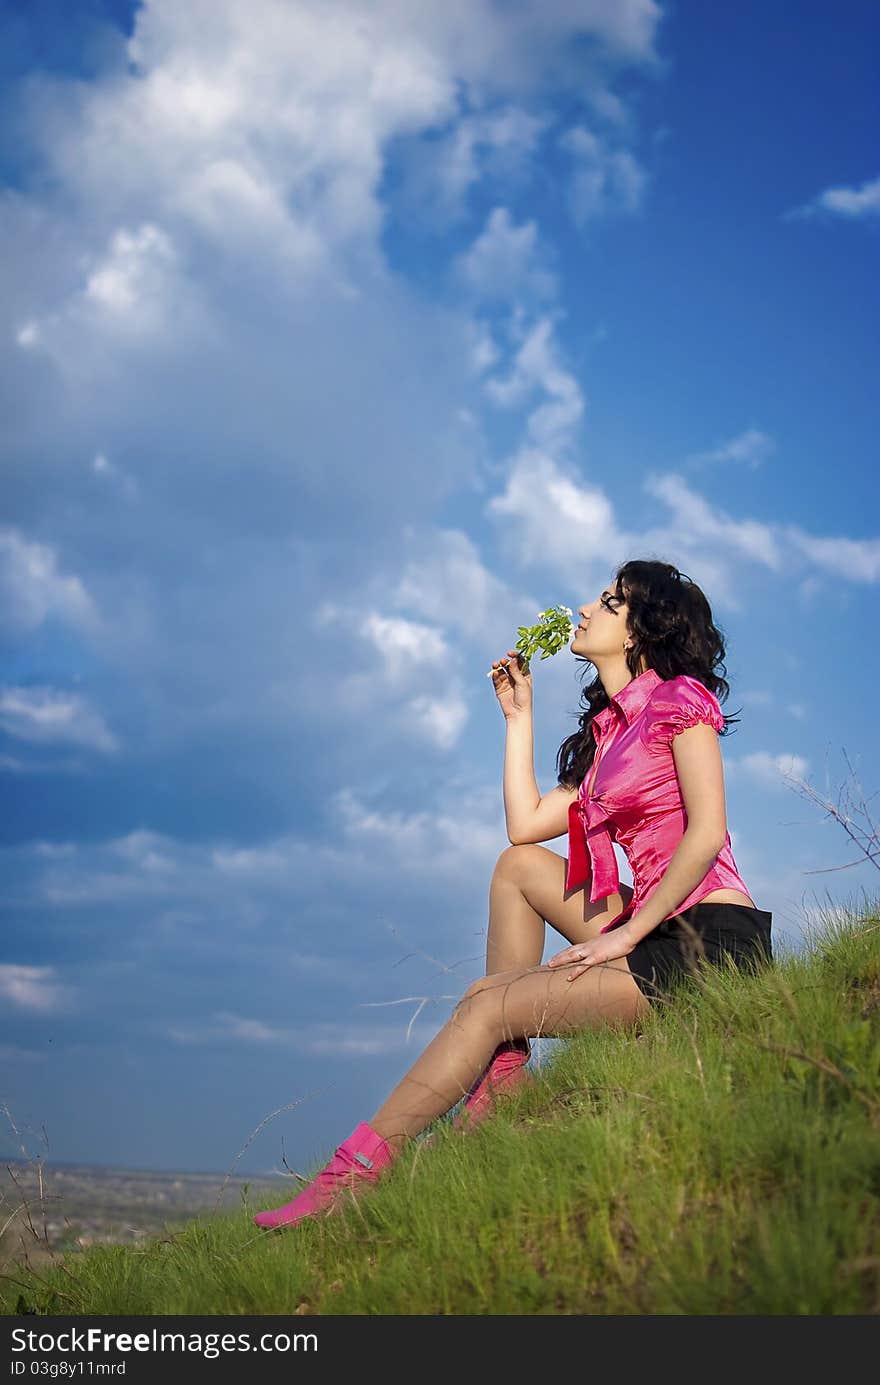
x=723 y=1158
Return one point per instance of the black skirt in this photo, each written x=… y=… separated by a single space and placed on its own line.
x=678 y=947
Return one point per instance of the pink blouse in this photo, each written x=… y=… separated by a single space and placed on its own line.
x=631 y=794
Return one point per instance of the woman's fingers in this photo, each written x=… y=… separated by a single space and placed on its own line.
x=513 y=665
x=567 y=958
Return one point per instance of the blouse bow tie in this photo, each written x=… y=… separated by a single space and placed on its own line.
x=590 y=849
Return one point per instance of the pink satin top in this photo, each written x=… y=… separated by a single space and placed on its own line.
x=631 y=794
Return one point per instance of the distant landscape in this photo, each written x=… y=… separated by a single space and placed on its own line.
x=82 y=1205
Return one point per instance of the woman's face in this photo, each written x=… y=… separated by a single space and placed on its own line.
x=606 y=631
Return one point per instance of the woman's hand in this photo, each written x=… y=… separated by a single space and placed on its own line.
x=513 y=684
x=581 y=956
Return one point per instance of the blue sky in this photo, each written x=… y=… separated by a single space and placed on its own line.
x=338 y=341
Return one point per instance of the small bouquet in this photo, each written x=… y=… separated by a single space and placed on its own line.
x=555 y=629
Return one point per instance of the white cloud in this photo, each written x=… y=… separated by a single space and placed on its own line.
x=135 y=294
x=12 y=1054
x=440 y=575
x=277 y=119
x=232 y=205
x=32 y=988
x=84 y=885
x=230 y=1026
x=852 y=204
x=406 y=646
x=537 y=366
x=756 y=697
x=753 y=448
x=32 y=588
x=268 y=128
x=442 y=719
x=46 y=716
x=211 y=235
x=130 y=284
x=430 y=840
x=503 y=261
x=446 y=580
x=327 y=1038
x=249 y=860
x=775 y=770
x=15 y=765
x=554 y=517
x=411 y=652
x=604 y=181
x=609 y=107
x=271 y=122
x=102 y=466
x=367 y=1041
x=483 y=351
x=706 y=524
x=858 y=560
x=461 y=831
x=254 y=1031
x=28 y=334
x=132 y=293
x=494 y=147
x=145 y=850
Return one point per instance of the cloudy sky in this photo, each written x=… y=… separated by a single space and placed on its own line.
x=339 y=338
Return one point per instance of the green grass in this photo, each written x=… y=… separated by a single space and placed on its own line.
x=723 y=1158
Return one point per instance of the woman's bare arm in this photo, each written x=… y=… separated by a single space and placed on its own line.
x=530 y=817
x=550 y=818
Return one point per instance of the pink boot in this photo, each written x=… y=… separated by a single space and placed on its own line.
x=506 y=1072
x=359 y=1159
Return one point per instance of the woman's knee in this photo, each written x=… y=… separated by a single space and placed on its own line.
x=492 y=982
x=476 y=989
x=485 y=1000
x=482 y=1003
x=513 y=862
x=506 y=862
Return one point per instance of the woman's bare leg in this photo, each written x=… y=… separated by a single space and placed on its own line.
x=515 y=939
x=527 y=889
x=504 y=1006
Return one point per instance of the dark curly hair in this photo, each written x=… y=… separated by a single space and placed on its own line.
x=672 y=631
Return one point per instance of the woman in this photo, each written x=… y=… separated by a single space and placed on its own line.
x=645 y=770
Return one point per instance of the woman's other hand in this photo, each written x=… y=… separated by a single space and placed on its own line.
x=581 y=956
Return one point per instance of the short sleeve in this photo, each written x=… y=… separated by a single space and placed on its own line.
x=679 y=703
